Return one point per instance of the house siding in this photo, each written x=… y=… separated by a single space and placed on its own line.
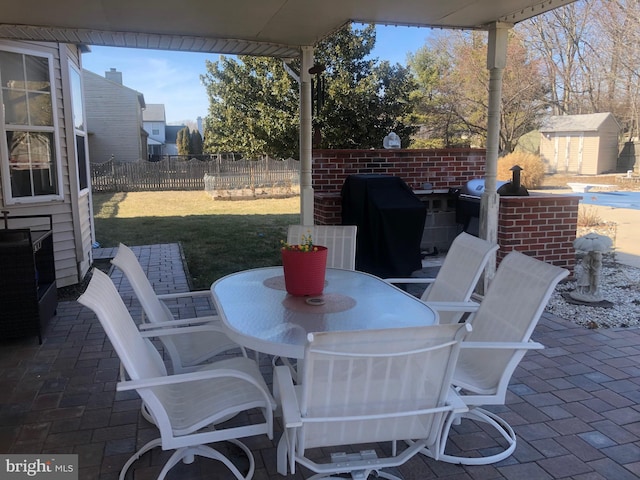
x=114 y=120
x=62 y=211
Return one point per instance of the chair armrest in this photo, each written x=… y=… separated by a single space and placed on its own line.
x=164 y=329
x=209 y=374
x=178 y=323
x=408 y=280
x=454 y=306
x=530 y=345
x=197 y=293
x=284 y=390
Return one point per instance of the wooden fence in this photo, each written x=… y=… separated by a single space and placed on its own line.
x=178 y=173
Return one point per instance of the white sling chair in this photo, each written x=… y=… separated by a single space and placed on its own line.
x=458 y=275
x=185 y=350
x=340 y=241
x=368 y=386
x=182 y=405
x=502 y=328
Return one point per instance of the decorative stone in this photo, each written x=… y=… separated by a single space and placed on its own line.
x=587 y=272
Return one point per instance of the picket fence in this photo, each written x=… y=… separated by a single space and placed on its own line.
x=178 y=173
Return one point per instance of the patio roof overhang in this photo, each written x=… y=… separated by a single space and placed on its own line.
x=277 y=28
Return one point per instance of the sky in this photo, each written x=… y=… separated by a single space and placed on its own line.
x=173 y=78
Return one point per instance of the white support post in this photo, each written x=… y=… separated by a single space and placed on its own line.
x=306 y=138
x=490 y=202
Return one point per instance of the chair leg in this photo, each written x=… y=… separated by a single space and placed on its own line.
x=356 y=475
x=480 y=415
x=187 y=454
x=148 y=446
x=206 y=451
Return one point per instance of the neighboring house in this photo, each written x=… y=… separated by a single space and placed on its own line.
x=580 y=144
x=154 y=123
x=114 y=118
x=43 y=148
x=171 y=135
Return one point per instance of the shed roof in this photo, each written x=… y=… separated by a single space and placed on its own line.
x=575 y=123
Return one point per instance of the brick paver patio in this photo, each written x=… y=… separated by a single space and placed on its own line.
x=575 y=406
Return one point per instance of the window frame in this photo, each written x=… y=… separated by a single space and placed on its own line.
x=7 y=192
x=74 y=69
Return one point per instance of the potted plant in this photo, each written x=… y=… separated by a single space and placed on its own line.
x=304 y=266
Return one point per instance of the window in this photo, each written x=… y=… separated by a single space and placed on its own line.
x=29 y=157
x=79 y=127
x=155 y=131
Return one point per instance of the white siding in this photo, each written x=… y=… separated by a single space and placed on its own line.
x=65 y=251
x=114 y=120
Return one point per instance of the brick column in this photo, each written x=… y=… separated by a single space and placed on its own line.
x=543 y=226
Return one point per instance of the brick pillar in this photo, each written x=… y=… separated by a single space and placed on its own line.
x=542 y=226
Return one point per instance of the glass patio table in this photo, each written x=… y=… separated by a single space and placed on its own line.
x=258 y=313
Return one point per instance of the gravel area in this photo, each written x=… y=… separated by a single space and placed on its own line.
x=620 y=285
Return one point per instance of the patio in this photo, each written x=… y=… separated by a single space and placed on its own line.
x=575 y=406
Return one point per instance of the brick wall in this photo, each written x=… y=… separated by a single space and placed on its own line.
x=442 y=168
x=543 y=226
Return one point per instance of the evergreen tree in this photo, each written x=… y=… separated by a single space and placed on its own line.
x=183 y=141
x=196 y=143
x=253 y=101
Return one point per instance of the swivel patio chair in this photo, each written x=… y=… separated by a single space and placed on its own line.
x=360 y=387
x=458 y=275
x=185 y=350
x=340 y=241
x=186 y=406
x=502 y=328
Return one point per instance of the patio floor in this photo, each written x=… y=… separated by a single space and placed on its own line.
x=575 y=406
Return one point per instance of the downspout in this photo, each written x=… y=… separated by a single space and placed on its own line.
x=490 y=202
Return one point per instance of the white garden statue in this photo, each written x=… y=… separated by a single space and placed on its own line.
x=588 y=270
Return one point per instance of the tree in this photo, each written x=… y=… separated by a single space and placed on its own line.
x=195 y=143
x=183 y=141
x=365 y=99
x=591 y=54
x=453 y=89
x=433 y=111
x=253 y=101
x=252 y=107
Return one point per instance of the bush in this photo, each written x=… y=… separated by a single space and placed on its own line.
x=532 y=174
x=588 y=216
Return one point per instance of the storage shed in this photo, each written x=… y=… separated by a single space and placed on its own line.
x=580 y=144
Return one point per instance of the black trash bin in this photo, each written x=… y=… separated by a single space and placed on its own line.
x=390 y=220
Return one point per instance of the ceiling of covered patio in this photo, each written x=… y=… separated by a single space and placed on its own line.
x=269 y=27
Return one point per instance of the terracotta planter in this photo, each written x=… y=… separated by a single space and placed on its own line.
x=304 y=271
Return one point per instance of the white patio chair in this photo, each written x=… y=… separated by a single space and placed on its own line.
x=340 y=241
x=182 y=406
x=458 y=275
x=368 y=386
x=185 y=350
x=502 y=328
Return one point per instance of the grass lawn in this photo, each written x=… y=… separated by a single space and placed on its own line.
x=218 y=237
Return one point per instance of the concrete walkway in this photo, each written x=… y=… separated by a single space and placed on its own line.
x=575 y=406
x=627 y=241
